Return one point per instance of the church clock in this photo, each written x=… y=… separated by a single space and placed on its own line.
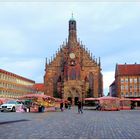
x=72 y=55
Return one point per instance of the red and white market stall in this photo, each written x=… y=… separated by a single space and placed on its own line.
x=125 y=104
x=109 y=103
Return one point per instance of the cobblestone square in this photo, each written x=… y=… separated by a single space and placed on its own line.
x=71 y=125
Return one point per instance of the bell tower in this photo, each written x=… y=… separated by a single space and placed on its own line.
x=72 y=38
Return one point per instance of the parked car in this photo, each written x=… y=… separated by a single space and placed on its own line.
x=10 y=105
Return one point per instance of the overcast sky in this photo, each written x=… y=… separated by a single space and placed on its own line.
x=32 y=31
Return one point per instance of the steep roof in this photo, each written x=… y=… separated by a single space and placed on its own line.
x=39 y=86
x=113 y=83
x=128 y=69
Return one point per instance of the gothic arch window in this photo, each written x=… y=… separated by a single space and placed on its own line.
x=73 y=74
x=59 y=79
x=91 y=82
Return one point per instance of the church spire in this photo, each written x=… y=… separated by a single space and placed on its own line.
x=72 y=38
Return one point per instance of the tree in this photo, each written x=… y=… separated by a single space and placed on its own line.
x=56 y=94
x=88 y=93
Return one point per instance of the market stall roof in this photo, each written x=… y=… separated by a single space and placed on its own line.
x=61 y=100
x=126 y=99
x=91 y=99
x=108 y=98
x=135 y=99
x=3 y=100
x=36 y=96
x=58 y=100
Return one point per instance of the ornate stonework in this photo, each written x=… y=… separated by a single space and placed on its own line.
x=73 y=73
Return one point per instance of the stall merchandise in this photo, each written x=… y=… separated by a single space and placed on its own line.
x=38 y=102
x=109 y=103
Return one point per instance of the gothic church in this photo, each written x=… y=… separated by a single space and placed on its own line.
x=73 y=73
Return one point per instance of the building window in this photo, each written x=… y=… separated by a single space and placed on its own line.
x=135 y=80
x=126 y=80
x=122 y=87
x=126 y=87
x=122 y=80
x=135 y=87
x=131 y=80
x=73 y=74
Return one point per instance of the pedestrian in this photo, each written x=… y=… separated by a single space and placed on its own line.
x=98 y=106
x=69 y=105
x=80 y=107
x=61 y=106
x=66 y=105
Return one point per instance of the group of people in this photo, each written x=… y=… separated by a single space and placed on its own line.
x=67 y=106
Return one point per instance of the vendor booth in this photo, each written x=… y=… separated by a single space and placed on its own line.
x=37 y=102
x=135 y=103
x=109 y=103
x=125 y=104
x=91 y=103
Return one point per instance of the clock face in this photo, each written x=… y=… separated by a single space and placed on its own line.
x=72 y=55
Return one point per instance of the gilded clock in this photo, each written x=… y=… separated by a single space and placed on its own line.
x=72 y=55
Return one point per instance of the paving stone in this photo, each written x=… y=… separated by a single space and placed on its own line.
x=71 y=125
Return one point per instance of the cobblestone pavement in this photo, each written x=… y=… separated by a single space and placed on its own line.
x=71 y=125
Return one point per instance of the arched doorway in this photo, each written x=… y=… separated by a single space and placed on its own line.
x=70 y=99
x=73 y=95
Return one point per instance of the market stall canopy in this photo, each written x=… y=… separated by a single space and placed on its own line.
x=91 y=99
x=30 y=96
x=4 y=100
x=108 y=98
x=61 y=100
x=135 y=99
x=126 y=99
x=1 y=102
x=58 y=100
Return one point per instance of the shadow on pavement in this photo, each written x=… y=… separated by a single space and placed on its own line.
x=6 y=122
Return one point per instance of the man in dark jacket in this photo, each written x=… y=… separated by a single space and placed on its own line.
x=61 y=106
x=80 y=107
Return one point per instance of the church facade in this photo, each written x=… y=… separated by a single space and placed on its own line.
x=73 y=73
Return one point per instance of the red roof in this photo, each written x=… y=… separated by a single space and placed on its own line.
x=39 y=87
x=128 y=69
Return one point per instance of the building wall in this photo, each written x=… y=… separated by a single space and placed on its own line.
x=128 y=86
x=127 y=80
x=112 y=90
x=14 y=86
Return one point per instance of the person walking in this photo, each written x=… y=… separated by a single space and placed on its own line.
x=80 y=107
x=61 y=106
